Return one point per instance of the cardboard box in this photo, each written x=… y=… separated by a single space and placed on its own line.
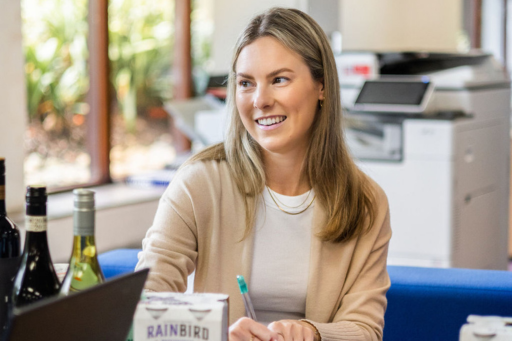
x=181 y=317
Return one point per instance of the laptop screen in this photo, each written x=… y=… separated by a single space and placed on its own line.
x=103 y=312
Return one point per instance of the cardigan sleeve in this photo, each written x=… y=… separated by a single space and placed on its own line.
x=170 y=246
x=361 y=313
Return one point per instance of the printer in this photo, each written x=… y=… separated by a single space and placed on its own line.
x=486 y=328
x=433 y=130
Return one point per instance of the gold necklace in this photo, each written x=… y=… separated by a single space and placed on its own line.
x=276 y=198
x=304 y=210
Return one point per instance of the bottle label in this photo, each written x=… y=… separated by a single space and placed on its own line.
x=2 y=192
x=35 y=224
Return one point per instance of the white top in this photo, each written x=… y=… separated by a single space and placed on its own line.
x=280 y=266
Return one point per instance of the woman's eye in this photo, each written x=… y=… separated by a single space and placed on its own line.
x=244 y=84
x=280 y=80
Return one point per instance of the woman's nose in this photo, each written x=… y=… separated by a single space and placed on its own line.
x=263 y=98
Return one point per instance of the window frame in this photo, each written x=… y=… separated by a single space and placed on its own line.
x=99 y=95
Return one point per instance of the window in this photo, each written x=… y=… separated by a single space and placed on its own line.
x=96 y=111
x=141 y=36
x=55 y=46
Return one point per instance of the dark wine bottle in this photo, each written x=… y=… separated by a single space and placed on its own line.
x=9 y=253
x=9 y=233
x=36 y=278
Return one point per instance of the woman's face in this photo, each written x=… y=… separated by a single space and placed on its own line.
x=276 y=96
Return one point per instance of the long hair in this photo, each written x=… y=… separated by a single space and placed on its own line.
x=343 y=190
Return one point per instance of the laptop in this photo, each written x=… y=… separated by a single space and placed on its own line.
x=103 y=312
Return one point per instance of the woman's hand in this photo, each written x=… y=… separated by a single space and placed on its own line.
x=292 y=330
x=246 y=329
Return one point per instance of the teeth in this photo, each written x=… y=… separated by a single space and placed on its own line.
x=270 y=121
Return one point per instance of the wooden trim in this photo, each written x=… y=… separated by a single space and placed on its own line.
x=98 y=120
x=476 y=27
x=98 y=98
x=182 y=66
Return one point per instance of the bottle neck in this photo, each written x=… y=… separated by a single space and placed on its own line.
x=82 y=242
x=35 y=218
x=38 y=239
x=83 y=231
x=83 y=222
x=35 y=227
x=36 y=209
x=84 y=246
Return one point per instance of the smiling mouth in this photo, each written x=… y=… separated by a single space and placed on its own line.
x=270 y=120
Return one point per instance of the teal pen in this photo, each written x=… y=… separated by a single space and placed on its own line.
x=249 y=309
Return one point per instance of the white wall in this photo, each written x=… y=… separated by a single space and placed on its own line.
x=492 y=28
x=326 y=13
x=13 y=110
x=230 y=18
x=393 y=25
x=385 y=25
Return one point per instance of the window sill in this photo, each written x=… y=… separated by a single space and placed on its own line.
x=60 y=205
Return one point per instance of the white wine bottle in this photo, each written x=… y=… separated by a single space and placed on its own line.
x=84 y=269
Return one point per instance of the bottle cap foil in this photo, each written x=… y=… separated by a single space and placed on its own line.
x=36 y=194
x=83 y=216
x=84 y=198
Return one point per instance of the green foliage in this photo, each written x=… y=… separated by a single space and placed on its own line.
x=55 y=43
x=141 y=39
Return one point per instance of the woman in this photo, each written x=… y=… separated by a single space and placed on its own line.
x=280 y=201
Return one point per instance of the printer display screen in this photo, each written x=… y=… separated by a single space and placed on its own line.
x=382 y=92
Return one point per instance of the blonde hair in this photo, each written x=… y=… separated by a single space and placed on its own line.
x=340 y=186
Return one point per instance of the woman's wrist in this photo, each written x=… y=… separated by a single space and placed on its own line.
x=311 y=326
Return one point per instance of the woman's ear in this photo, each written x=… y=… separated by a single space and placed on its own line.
x=321 y=96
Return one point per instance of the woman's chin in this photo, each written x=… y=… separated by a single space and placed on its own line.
x=276 y=148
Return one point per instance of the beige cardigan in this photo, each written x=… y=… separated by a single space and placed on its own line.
x=199 y=224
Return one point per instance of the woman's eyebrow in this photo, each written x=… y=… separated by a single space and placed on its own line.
x=244 y=75
x=270 y=75
x=278 y=71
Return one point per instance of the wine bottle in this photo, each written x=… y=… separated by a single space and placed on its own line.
x=9 y=253
x=36 y=278
x=84 y=269
x=9 y=233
